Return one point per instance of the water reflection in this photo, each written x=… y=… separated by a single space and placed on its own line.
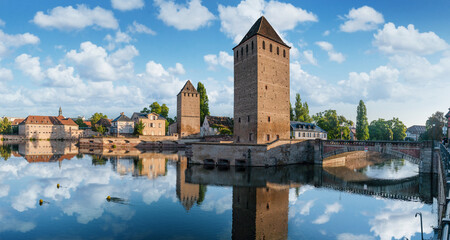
x=158 y=195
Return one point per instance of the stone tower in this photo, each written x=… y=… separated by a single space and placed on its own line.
x=188 y=111
x=60 y=111
x=261 y=86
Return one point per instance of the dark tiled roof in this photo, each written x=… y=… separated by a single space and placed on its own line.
x=417 y=129
x=262 y=27
x=104 y=122
x=306 y=126
x=188 y=88
x=225 y=121
x=145 y=115
x=122 y=118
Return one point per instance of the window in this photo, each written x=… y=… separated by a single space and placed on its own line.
x=238 y=139
x=266 y=87
x=303 y=134
x=242 y=51
x=268 y=137
x=252 y=46
x=246 y=49
x=185 y=94
x=299 y=134
x=159 y=125
x=264 y=45
x=270 y=47
x=284 y=53
x=248 y=118
x=278 y=51
x=239 y=119
x=268 y=119
x=250 y=136
x=278 y=137
x=237 y=55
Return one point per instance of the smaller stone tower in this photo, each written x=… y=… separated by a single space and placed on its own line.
x=188 y=111
x=60 y=111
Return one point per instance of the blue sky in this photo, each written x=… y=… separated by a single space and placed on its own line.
x=121 y=55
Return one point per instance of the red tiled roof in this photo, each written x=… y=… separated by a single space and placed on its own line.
x=48 y=120
x=17 y=121
x=88 y=123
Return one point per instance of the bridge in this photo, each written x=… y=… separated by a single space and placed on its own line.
x=287 y=152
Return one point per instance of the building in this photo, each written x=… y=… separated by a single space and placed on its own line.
x=211 y=125
x=188 y=111
x=302 y=130
x=122 y=125
x=187 y=193
x=154 y=124
x=261 y=86
x=172 y=129
x=49 y=127
x=353 y=134
x=448 y=124
x=414 y=132
x=106 y=123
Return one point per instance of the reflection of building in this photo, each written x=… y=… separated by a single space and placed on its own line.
x=302 y=130
x=188 y=111
x=152 y=165
x=261 y=86
x=415 y=131
x=154 y=124
x=49 y=127
x=260 y=213
x=187 y=193
x=122 y=125
x=211 y=125
x=48 y=151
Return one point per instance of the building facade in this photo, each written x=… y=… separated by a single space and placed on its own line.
x=302 y=130
x=188 y=111
x=261 y=86
x=211 y=125
x=447 y=134
x=154 y=124
x=122 y=125
x=49 y=127
x=414 y=132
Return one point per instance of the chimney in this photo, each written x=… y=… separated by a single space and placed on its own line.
x=121 y=113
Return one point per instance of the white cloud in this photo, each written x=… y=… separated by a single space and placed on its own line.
x=329 y=210
x=237 y=20
x=332 y=54
x=140 y=28
x=407 y=40
x=307 y=207
x=178 y=69
x=2 y=23
x=155 y=69
x=8 y=41
x=29 y=65
x=184 y=17
x=118 y=39
x=309 y=56
x=125 y=5
x=69 y=18
x=364 y=18
x=94 y=63
x=6 y=74
x=62 y=76
x=350 y=236
x=326 y=33
x=224 y=60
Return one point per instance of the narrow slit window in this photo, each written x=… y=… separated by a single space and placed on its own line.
x=264 y=45
x=284 y=53
x=270 y=47
x=278 y=51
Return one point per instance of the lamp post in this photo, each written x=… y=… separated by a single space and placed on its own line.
x=421 y=225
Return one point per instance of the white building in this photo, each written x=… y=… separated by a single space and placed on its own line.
x=122 y=125
x=302 y=130
x=211 y=125
x=415 y=131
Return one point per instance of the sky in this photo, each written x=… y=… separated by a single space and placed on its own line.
x=115 y=56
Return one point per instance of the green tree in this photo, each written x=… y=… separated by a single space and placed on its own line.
x=201 y=194
x=301 y=110
x=381 y=130
x=100 y=129
x=165 y=111
x=204 y=102
x=80 y=122
x=145 y=110
x=291 y=112
x=434 y=126
x=96 y=117
x=398 y=129
x=155 y=107
x=362 y=124
x=139 y=128
x=5 y=126
x=337 y=127
x=5 y=152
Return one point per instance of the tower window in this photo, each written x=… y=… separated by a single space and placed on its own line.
x=239 y=120
x=248 y=118
x=252 y=46
x=246 y=49
x=250 y=136
x=278 y=137
x=268 y=118
x=284 y=53
x=237 y=55
x=268 y=137
x=270 y=47
x=266 y=87
x=264 y=45
x=242 y=51
x=278 y=51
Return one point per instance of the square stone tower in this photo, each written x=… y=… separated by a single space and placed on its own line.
x=188 y=111
x=261 y=86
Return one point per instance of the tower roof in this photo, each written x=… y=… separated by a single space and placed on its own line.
x=262 y=27
x=188 y=88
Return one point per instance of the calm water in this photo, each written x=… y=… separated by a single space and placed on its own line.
x=157 y=196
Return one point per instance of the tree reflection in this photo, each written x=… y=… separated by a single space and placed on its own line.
x=5 y=152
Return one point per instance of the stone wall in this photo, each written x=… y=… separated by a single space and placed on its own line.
x=143 y=142
x=188 y=114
